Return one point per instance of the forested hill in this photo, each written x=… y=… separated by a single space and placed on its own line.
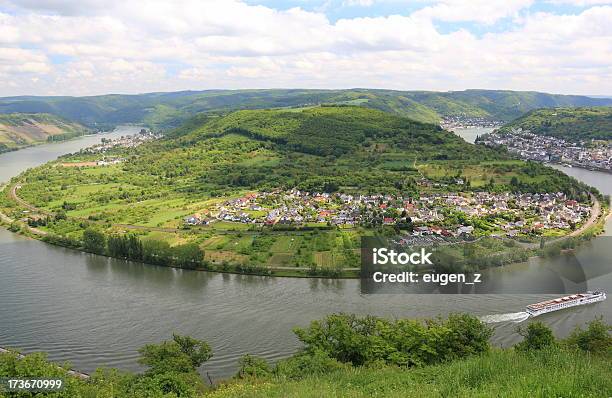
x=571 y=124
x=162 y=110
x=345 y=148
x=18 y=129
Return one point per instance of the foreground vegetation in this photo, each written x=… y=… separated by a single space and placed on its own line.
x=571 y=124
x=144 y=199
x=18 y=130
x=348 y=356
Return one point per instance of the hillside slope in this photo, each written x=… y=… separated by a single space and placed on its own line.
x=573 y=124
x=501 y=373
x=162 y=110
x=18 y=129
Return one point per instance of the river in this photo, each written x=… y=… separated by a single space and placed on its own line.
x=94 y=311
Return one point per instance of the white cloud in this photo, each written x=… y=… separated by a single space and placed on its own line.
x=581 y=3
x=128 y=47
x=483 y=11
x=361 y=3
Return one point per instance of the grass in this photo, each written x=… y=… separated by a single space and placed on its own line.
x=286 y=244
x=219 y=256
x=500 y=373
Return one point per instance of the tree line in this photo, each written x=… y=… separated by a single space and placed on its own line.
x=152 y=251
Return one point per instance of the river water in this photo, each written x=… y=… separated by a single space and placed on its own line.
x=94 y=311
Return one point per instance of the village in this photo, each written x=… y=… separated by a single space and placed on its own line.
x=126 y=141
x=594 y=155
x=431 y=214
x=466 y=122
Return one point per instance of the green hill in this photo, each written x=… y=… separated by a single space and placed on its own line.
x=214 y=160
x=22 y=129
x=163 y=110
x=573 y=124
x=345 y=148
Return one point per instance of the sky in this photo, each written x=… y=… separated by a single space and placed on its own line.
x=90 y=47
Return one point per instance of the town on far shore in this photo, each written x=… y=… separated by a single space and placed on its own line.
x=443 y=214
x=451 y=123
x=592 y=155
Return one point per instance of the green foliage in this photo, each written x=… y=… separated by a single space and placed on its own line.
x=367 y=340
x=188 y=255
x=165 y=357
x=164 y=385
x=198 y=351
x=332 y=148
x=157 y=252
x=596 y=338
x=162 y=110
x=571 y=124
x=305 y=364
x=536 y=337
x=552 y=372
x=555 y=370
x=94 y=241
x=252 y=366
x=125 y=246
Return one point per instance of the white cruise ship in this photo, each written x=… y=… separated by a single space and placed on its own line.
x=565 y=302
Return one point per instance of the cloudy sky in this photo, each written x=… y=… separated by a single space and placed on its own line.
x=86 y=47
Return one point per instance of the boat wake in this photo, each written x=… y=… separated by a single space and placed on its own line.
x=514 y=317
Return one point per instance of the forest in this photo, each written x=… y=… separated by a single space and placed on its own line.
x=571 y=124
x=172 y=109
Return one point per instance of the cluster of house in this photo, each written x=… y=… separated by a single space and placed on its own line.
x=528 y=212
x=127 y=141
x=463 y=122
x=593 y=155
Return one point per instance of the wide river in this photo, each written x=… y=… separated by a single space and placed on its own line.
x=94 y=311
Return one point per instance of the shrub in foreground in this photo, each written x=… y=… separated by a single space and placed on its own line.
x=367 y=340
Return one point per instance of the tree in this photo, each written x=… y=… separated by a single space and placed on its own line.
x=188 y=255
x=182 y=354
x=94 y=241
x=198 y=351
x=155 y=251
x=536 y=336
x=596 y=338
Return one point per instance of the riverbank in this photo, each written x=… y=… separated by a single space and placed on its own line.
x=598 y=169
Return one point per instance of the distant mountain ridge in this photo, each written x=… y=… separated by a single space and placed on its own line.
x=572 y=124
x=24 y=129
x=164 y=110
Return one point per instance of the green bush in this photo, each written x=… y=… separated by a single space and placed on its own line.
x=595 y=339
x=252 y=366
x=306 y=364
x=536 y=337
x=367 y=340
